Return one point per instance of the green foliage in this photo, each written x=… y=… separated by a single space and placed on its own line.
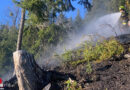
x=8 y=38
x=71 y=55
x=42 y=10
x=88 y=68
x=78 y=22
x=115 y=4
x=101 y=7
x=52 y=34
x=67 y=56
x=36 y=40
x=91 y=52
x=72 y=85
x=127 y=4
x=30 y=38
x=100 y=51
x=103 y=50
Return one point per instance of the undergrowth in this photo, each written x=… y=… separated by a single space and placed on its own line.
x=97 y=52
x=91 y=52
x=72 y=85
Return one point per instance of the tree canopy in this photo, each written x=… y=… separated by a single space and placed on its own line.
x=43 y=10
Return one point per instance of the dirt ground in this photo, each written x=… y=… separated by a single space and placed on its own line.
x=112 y=74
x=108 y=75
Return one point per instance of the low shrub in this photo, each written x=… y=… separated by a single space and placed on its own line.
x=102 y=50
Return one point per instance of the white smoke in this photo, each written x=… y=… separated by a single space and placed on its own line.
x=8 y=75
x=105 y=26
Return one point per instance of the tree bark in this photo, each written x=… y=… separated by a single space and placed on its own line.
x=29 y=76
x=21 y=27
x=28 y=73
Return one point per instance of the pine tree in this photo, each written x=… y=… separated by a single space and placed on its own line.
x=78 y=21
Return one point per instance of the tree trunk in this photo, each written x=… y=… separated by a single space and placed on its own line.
x=28 y=73
x=29 y=76
x=21 y=27
x=20 y=34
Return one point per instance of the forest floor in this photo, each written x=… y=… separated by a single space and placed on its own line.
x=107 y=75
x=112 y=74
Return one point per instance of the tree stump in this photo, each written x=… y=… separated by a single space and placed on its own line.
x=29 y=76
x=28 y=73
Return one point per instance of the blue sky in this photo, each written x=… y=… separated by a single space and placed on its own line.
x=4 y=6
x=74 y=13
x=7 y=4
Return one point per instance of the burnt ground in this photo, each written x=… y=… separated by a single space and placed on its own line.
x=107 y=75
x=112 y=74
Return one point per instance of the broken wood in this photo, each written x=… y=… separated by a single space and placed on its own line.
x=28 y=73
x=29 y=76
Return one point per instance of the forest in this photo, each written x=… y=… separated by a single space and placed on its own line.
x=46 y=27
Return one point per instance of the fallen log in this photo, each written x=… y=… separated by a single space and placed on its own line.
x=29 y=76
